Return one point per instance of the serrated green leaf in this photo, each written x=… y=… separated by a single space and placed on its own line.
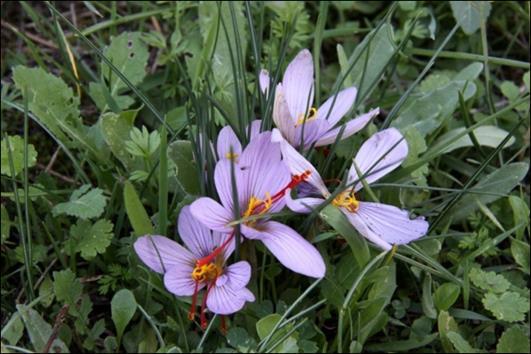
x=486 y=135
x=460 y=343
x=16 y=143
x=83 y=203
x=502 y=181
x=91 y=239
x=446 y=295
x=180 y=152
x=123 y=308
x=470 y=14
x=446 y=324
x=39 y=331
x=66 y=286
x=488 y=281
x=513 y=340
x=136 y=212
x=520 y=251
x=46 y=292
x=509 y=306
x=116 y=129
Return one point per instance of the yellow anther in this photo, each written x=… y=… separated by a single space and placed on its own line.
x=231 y=156
x=206 y=272
x=347 y=201
x=312 y=114
x=258 y=206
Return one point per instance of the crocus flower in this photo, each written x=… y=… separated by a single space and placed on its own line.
x=381 y=224
x=228 y=140
x=262 y=180
x=198 y=266
x=294 y=115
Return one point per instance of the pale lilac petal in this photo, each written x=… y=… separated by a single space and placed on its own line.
x=224 y=300
x=298 y=84
x=386 y=225
x=297 y=164
x=160 y=253
x=379 y=155
x=309 y=132
x=237 y=275
x=264 y=81
x=219 y=239
x=227 y=139
x=352 y=127
x=223 y=181
x=281 y=116
x=302 y=205
x=290 y=248
x=255 y=128
x=211 y=214
x=342 y=104
x=178 y=280
x=197 y=237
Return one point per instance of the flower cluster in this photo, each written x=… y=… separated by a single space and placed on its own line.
x=264 y=173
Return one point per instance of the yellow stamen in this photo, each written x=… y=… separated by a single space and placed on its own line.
x=207 y=272
x=312 y=114
x=257 y=204
x=347 y=201
x=231 y=156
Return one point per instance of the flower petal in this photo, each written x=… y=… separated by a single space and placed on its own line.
x=282 y=117
x=341 y=105
x=352 y=127
x=302 y=205
x=160 y=253
x=227 y=139
x=197 y=237
x=290 y=248
x=263 y=79
x=386 y=224
x=225 y=300
x=309 y=132
x=223 y=181
x=212 y=214
x=238 y=274
x=297 y=164
x=178 y=280
x=298 y=84
x=379 y=155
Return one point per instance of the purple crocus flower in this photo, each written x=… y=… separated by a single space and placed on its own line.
x=381 y=224
x=228 y=140
x=188 y=270
x=294 y=115
x=262 y=179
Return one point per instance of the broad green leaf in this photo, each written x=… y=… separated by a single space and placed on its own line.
x=39 y=331
x=501 y=181
x=513 y=340
x=436 y=99
x=66 y=287
x=16 y=143
x=520 y=214
x=136 y=212
x=380 y=52
x=123 y=308
x=239 y=339
x=46 y=292
x=180 y=152
x=520 y=251
x=486 y=135
x=427 y=298
x=401 y=345
x=83 y=203
x=509 y=90
x=264 y=327
x=13 y=330
x=445 y=324
x=460 y=343
x=488 y=281
x=446 y=295
x=343 y=64
x=128 y=54
x=509 y=306
x=470 y=14
x=55 y=106
x=116 y=129
x=335 y=218
x=91 y=239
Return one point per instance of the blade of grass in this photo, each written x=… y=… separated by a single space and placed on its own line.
x=317 y=40
x=163 y=183
x=26 y=192
x=470 y=56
